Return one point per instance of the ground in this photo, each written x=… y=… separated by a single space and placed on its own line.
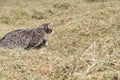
x=85 y=45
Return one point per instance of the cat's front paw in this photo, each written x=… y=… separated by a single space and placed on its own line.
x=46 y=43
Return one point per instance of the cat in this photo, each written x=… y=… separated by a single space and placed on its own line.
x=27 y=38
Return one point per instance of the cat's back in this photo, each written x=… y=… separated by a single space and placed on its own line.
x=16 y=34
x=17 y=38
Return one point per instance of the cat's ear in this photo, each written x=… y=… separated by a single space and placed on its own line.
x=47 y=24
x=50 y=24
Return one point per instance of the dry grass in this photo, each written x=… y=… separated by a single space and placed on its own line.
x=85 y=46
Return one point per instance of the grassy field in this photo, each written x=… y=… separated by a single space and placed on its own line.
x=85 y=45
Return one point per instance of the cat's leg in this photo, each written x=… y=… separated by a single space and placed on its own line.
x=43 y=43
x=30 y=45
x=38 y=45
x=33 y=43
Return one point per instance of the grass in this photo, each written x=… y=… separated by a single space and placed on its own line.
x=85 y=45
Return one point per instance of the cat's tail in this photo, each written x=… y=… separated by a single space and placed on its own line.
x=1 y=44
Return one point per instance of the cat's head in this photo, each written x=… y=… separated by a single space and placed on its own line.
x=47 y=27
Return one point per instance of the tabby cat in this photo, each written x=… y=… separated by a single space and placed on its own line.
x=27 y=38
